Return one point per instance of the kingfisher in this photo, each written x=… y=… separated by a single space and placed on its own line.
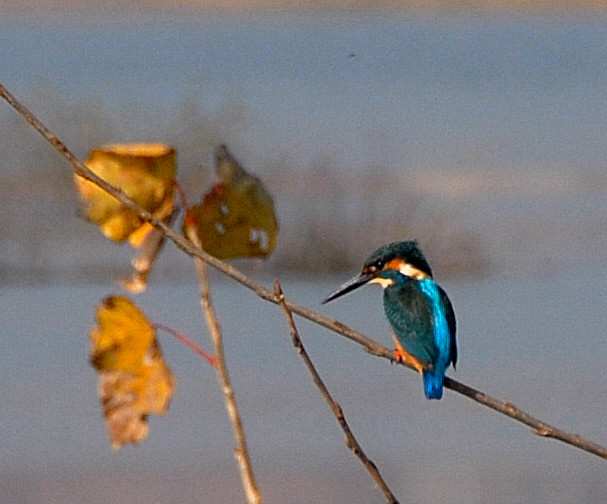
x=418 y=309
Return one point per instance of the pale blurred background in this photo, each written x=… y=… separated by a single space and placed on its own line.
x=477 y=130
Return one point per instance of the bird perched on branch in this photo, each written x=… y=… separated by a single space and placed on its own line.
x=417 y=308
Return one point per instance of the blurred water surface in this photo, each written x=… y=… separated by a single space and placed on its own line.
x=539 y=344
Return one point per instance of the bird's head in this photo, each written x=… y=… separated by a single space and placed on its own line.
x=385 y=265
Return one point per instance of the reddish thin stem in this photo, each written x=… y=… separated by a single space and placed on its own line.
x=183 y=198
x=191 y=344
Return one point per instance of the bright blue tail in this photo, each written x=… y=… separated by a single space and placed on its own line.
x=433 y=383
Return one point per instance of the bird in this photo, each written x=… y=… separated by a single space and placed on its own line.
x=417 y=308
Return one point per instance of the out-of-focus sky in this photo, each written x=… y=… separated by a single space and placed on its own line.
x=239 y=5
x=479 y=135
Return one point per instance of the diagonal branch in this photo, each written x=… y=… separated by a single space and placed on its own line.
x=241 y=452
x=505 y=408
x=351 y=441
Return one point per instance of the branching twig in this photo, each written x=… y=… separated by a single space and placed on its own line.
x=351 y=441
x=371 y=346
x=192 y=345
x=146 y=257
x=241 y=452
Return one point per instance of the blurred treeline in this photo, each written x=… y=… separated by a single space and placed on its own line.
x=331 y=217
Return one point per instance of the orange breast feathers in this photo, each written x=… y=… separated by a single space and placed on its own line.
x=401 y=355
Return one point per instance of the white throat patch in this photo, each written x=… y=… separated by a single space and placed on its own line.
x=384 y=282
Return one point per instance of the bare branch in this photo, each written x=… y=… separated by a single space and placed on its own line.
x=351 y=441
x=241 y=452
x=371 y=346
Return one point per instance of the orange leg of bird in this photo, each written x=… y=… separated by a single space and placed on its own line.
x=401 y=355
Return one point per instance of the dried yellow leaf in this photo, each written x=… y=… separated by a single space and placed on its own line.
x=145 y=172
x=134 y=380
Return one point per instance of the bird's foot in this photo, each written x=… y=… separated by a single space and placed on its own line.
x=400 y=356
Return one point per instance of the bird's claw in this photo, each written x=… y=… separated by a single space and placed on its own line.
x=398 y=356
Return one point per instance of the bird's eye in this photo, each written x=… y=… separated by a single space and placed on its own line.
x=379 y=265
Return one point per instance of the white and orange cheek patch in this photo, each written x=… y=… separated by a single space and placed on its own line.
x=406 y=269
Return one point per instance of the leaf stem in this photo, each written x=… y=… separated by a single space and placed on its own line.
x=189 y=343
x=183 y=198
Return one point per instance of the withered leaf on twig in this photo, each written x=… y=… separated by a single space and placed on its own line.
x=134 y=380
x=236 y=218
x=146 y=173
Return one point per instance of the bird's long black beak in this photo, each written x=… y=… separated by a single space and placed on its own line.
x=349 y=286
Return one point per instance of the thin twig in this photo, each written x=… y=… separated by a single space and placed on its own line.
x=191 y=344
x=371 y=346
x=241 y=452
x=146 y=257
x=351 y=441
x=183 y=199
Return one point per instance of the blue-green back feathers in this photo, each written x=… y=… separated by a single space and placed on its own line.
x=423 y=320
x=410 y=315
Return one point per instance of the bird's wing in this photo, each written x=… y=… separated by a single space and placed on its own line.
x=411 y=317
x=450 y=315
